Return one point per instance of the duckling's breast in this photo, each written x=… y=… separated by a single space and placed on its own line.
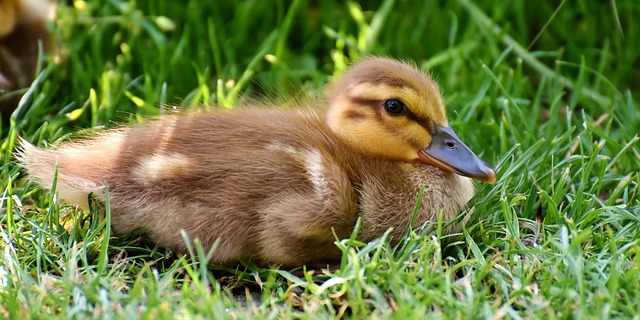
x=390 y=196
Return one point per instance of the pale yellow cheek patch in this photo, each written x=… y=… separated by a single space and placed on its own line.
x=161 y=166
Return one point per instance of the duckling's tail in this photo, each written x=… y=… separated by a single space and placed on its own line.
x=79 y=169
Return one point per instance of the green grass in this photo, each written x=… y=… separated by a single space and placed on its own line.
x=546 y=91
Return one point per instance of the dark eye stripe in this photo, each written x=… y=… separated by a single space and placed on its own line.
x=425 y=122
x=365 y=101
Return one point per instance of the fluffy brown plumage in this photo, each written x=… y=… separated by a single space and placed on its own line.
x=23 y=26
x=273 y=185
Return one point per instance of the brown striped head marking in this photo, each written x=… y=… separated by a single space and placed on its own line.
x=386 y=108
x=361 y=105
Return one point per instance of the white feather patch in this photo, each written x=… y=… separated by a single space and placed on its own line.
x=315 y=168
x=161 y=166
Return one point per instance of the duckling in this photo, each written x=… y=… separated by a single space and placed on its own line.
x=277 y=186
x=23 y=25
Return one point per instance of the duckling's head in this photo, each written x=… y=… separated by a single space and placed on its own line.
x=390 y=109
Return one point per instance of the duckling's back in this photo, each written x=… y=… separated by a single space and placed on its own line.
x=264 y=182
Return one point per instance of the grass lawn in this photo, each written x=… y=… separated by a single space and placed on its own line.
x=545 y=90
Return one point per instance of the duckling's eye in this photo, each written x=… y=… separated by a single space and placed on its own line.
x=395 y=107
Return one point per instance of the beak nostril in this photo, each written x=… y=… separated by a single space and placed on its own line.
x=451 y=145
